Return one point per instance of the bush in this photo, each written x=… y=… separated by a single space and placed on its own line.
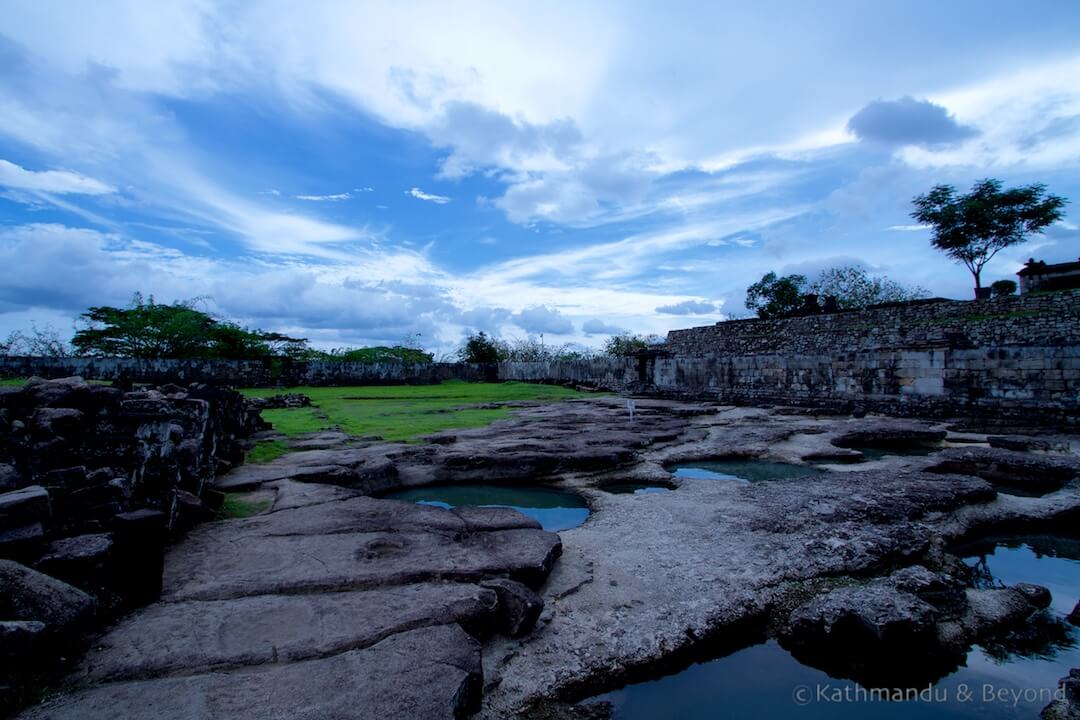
x=627 y=344
x=481 y=348
x=999 y=288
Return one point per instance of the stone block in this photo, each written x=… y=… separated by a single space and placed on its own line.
x=25 y=505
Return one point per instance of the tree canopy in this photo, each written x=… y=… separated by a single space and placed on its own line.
x=853 y=288
x=972 y=228
x=146 y=329
x=773 y=296
x=856 y=288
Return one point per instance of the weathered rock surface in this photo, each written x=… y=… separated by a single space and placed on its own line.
x=329 y=605
x=889 y=433
x=431 y=672
x=909 y=628
x=28 y=504
x=550 y=441
x=519 y=606
x=1026 y=472
x=203 y=636
x=647 y=578
x=26 y=594
x=1021 y=443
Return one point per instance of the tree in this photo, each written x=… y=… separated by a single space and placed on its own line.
x=627 y=344
x=41 y=342
x=480 y=348
x=998 y=288
x=974 y=227
x=146 y=329
x=773 y=296
x=855 y=288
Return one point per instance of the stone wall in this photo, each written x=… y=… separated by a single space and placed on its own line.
x=1037 y=320
x=93 y=480
x=243 y=373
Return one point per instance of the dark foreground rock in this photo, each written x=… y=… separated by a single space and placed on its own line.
x=889 y=433
x=905 y=630
x=1067 y=707
x=1021 y=471
x=432 y=672
x=330 y=605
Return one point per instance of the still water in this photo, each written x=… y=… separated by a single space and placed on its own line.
x=553 y=509
x=1001 y=681
x=745 y=471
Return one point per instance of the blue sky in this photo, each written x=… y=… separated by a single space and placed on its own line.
x=363 y=173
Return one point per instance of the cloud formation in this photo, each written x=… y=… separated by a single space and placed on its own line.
x=421 y=195
x=688 y=307
x=50 y=181
x=599 y=327
x=324 y=198
x=542 y=319
x=908 y=121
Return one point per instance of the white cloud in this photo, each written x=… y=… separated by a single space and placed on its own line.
x=324 y=198
x=908 y=228
x=421 y=195
x=50 y=181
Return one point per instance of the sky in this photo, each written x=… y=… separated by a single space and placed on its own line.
x=363 y=173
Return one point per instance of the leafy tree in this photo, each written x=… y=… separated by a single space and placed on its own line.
x=375 y=354
x=480 y=348
x=627 y=344
x=1003 y=287
x=855 y=288
x=773 y=296
x=146 y=329
x=973 y=227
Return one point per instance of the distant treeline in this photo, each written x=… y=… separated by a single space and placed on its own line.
x=147 y=329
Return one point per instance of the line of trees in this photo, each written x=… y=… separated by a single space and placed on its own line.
x=480 y=347
x=180 y=330
x=853 y=288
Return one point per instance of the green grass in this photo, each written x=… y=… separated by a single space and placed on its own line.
x=403 y=412
x=236 y=506
x=266 y=450
x=12 y=382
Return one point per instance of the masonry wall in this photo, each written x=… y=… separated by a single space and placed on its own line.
x=1048 y=320
x=244 y=373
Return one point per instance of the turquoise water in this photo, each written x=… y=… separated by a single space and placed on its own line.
x=745 y=471
x=1006 y=681
x=553 y=509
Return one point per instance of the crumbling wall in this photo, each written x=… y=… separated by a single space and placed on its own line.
x=92 y=481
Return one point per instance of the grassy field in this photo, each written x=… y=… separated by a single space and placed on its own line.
x=402 y=412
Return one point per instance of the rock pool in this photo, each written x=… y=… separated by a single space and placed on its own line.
x=553 y=509
x=744 y=471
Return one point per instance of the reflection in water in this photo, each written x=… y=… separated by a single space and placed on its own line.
x=553 y=509
x=1013 y=676
x=744 y=471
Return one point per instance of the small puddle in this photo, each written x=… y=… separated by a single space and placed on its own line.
x=744 y=471
x=634 y=489
x=553 y=509
x=764 y=681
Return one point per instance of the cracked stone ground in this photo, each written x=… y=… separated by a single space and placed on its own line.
x=338 y=605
